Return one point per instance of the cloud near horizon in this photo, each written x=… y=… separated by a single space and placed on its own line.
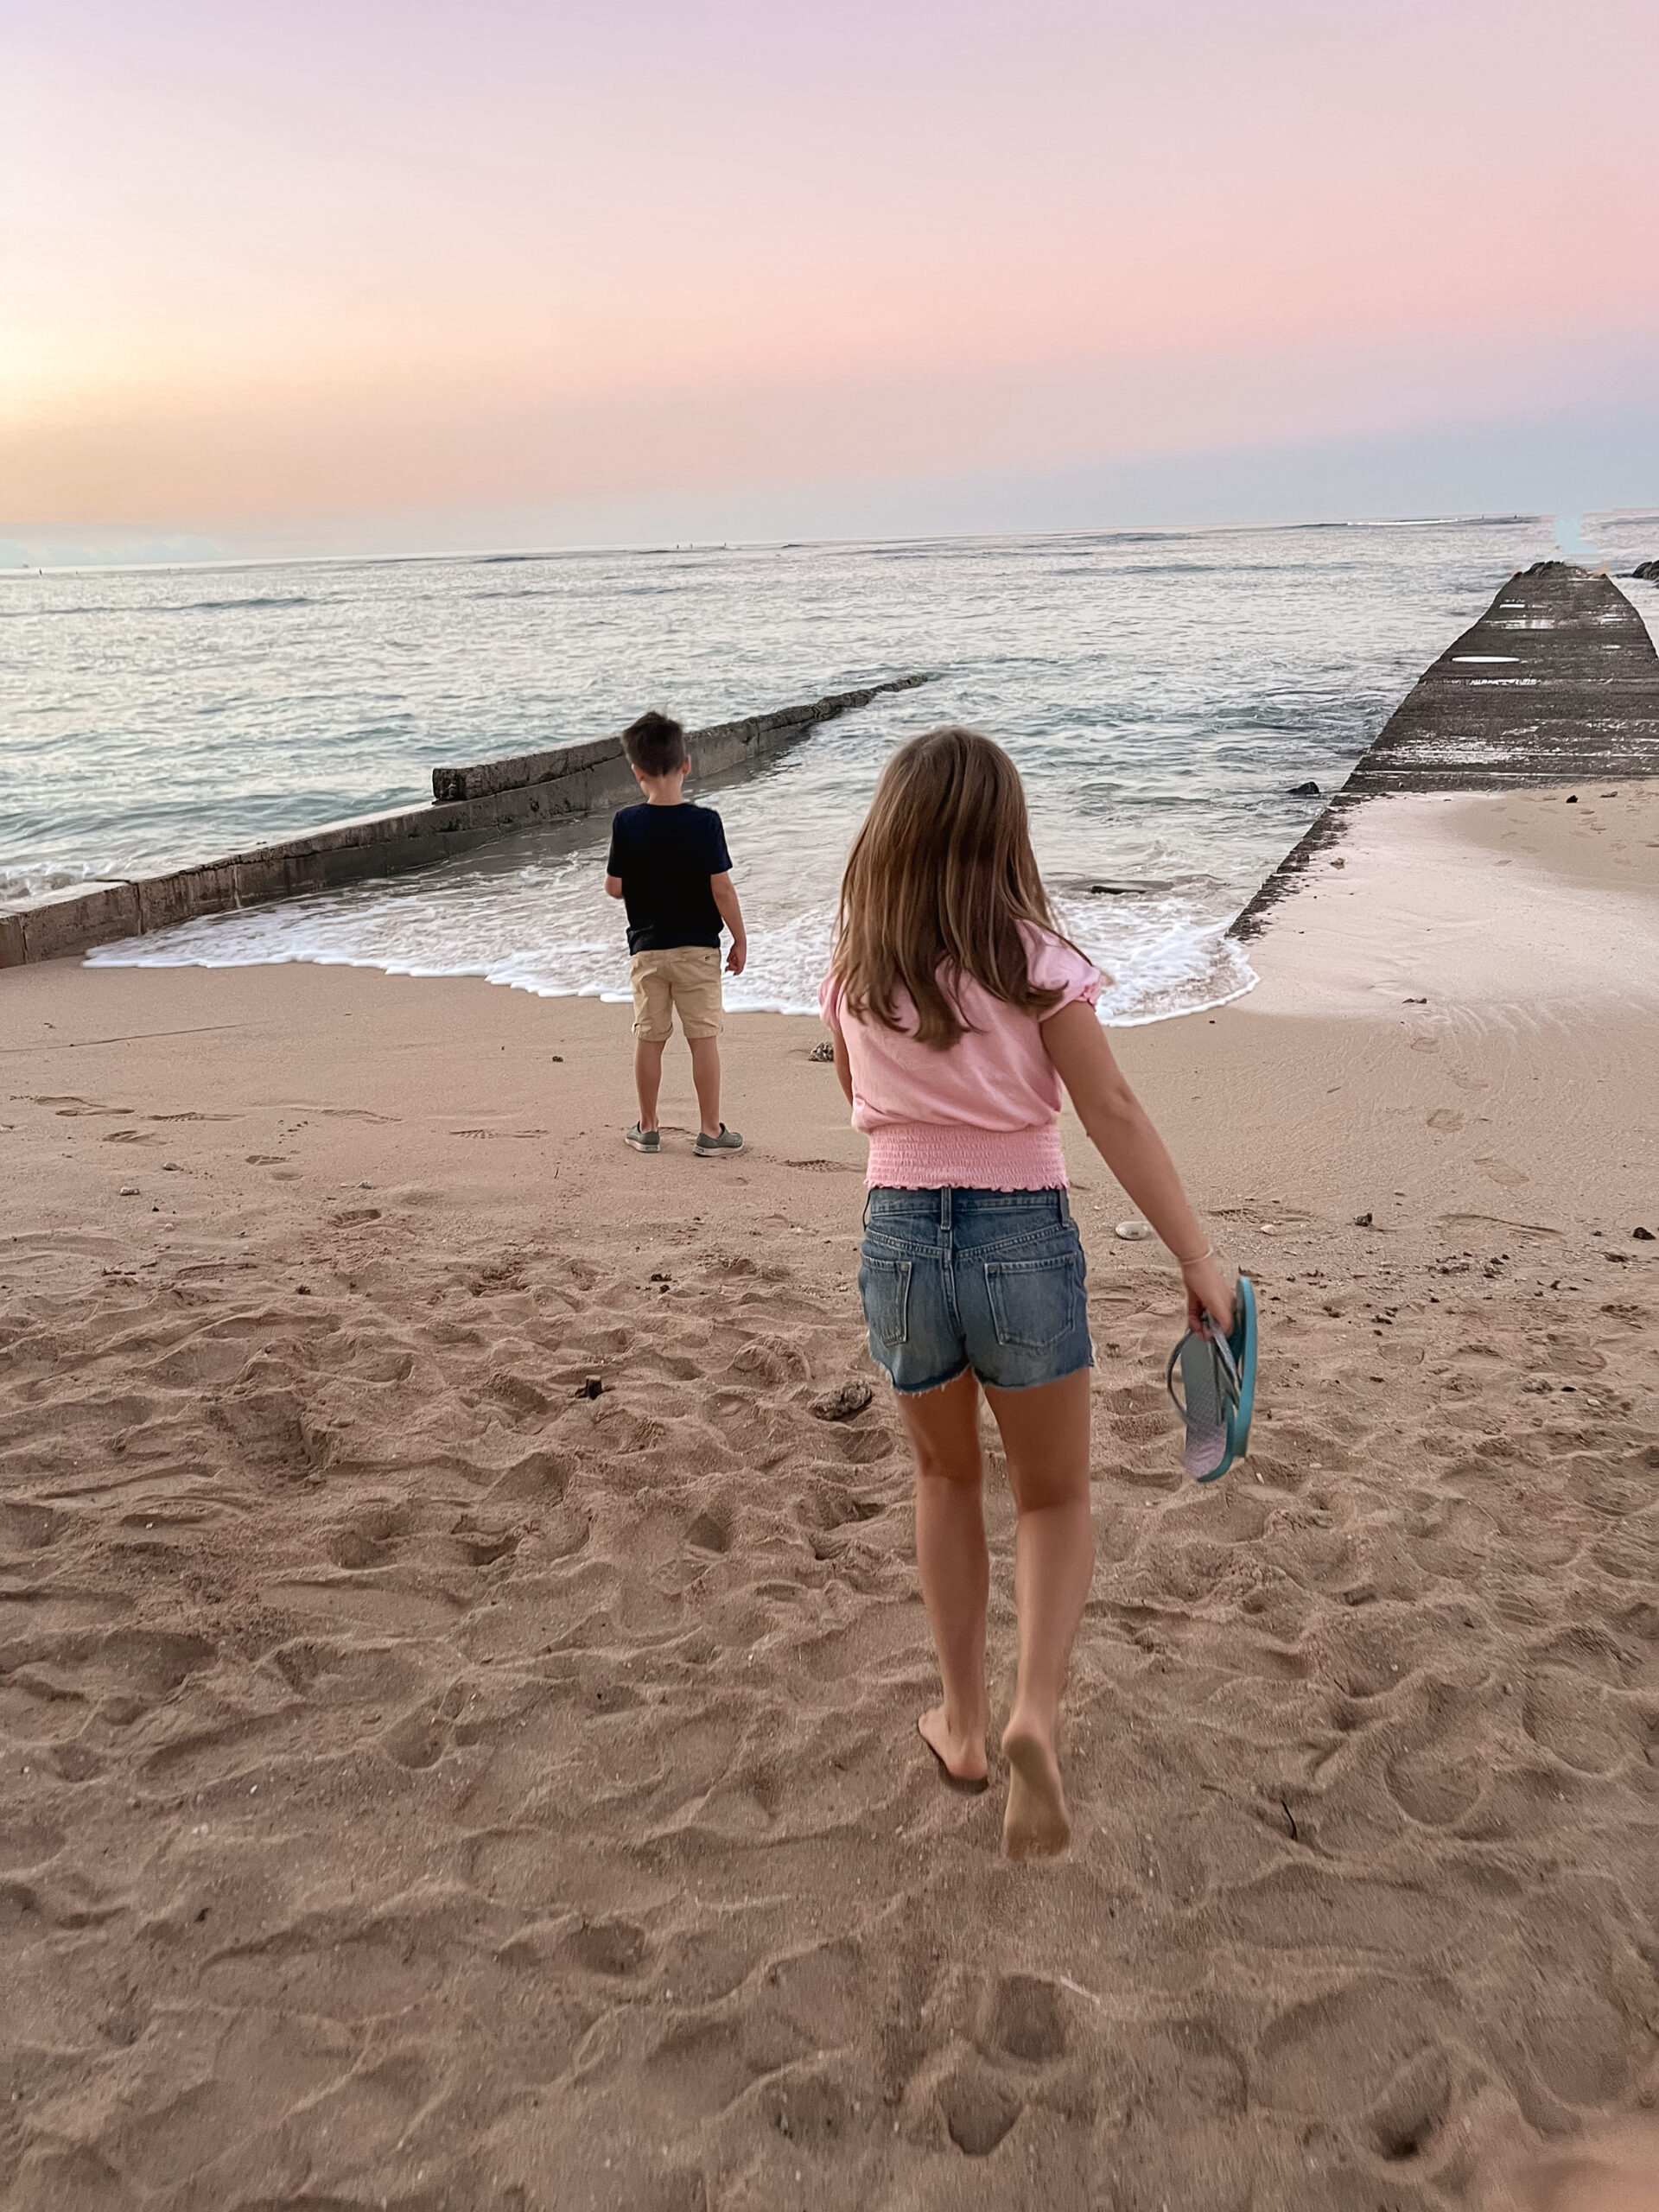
x=276 y=269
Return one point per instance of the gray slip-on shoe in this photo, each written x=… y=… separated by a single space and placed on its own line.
x=727 y=1141
x=643 y=1140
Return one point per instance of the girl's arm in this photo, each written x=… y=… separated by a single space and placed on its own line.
x=843 y=1065
x=1119 y=1131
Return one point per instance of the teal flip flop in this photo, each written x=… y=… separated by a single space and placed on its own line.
x=1218 y=1393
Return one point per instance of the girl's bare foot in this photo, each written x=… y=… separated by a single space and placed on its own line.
x=1037 y=1824
x=961 y=1754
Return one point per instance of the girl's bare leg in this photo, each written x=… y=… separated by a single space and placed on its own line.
x=955 y=1567
x=1046 y=1439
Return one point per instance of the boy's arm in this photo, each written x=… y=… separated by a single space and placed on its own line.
x=613 y=886
x=725 y=897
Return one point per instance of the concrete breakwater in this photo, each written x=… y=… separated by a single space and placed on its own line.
x=470 y=807
x=1558 y=681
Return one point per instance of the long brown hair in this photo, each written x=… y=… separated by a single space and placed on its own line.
x=940 y=878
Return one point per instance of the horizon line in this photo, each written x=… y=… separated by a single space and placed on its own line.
x=581 y=550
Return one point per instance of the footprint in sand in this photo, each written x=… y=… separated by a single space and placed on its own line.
x=1340 y=2053
x=25 y=1527
x=70 y=1109
x=417 y=1741
x=1024 y=2018
x=812 y=2110
x=1412 y=2111
x=612 y=1947
x=1502 y=1172
x=1433 y=1789
x=1577 y=1721
x=978 y=2107
x=711 y=1532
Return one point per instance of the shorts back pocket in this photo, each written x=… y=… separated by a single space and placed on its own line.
x=884 y=1287
x=1034 y=1302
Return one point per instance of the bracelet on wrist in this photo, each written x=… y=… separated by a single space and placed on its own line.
x=1207 y=1254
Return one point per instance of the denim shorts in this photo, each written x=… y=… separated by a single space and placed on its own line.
x=990 y=1280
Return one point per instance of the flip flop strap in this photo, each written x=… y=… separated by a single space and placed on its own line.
x=1229 y=1363
x=1169 y=1375
x=1231 y=1384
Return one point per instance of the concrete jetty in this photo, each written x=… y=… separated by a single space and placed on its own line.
x=470 y=807
x=1557 y=683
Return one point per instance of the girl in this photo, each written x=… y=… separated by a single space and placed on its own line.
x=958 y=1012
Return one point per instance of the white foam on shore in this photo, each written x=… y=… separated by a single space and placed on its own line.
x=550 y=930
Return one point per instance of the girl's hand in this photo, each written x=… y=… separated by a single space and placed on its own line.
x=1208 y=1292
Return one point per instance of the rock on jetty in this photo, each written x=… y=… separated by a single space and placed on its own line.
x=470 y=807
x=1557 y=682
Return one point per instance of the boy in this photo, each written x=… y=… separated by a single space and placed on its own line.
x=669 y=863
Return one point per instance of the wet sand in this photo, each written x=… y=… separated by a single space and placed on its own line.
x=428 y=1784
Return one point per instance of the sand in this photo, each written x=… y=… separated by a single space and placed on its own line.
x=1522 y=907
x=427 y=1784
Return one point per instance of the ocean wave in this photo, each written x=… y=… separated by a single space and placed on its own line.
x=170 y=607
x=543 y=930
x=19 y=885
x=237 y=606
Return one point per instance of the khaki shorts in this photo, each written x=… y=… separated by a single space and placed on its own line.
x=686 y=977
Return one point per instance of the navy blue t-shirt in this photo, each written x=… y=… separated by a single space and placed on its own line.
x=666 y=856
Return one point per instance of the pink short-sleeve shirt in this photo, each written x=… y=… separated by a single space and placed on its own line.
x=983 y=1114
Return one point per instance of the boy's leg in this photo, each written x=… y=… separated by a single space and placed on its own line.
x=705 y=1075
x=954 y=1566
x=696 y=998
x=1046 y=1437
x=653 y=1024
x=647 y=1078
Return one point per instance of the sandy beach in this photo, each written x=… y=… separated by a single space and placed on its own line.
x=429 y=1785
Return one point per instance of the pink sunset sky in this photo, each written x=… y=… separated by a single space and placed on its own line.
x=372 y=275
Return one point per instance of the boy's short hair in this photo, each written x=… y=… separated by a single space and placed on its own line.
x=655 y=744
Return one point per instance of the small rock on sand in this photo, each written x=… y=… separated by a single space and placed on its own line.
x=824 y=1051
x=842 y=1403
x=1133 y=1232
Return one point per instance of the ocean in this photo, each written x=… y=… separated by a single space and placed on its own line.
x=1162 y=692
